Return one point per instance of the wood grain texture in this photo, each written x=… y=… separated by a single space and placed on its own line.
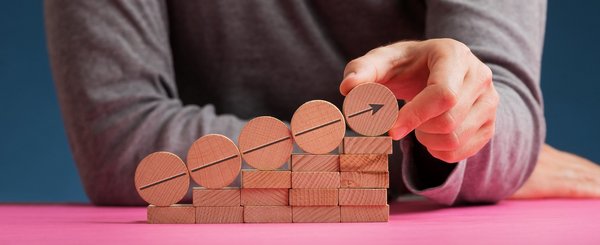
x=226 y=197
x=362 y=197
x=318 y=127
x=355 y=214
x=314 y=180
x=174 y=214
x=370 y=109
x=219 y=215
x=265 y=197
x=364 y=163
x=316 y=214
x=214 y=161
x=265 y=143
x=364 y=180
x=267 y=214
x=162 y=179
x=313 y=197
x=315 y=163
x=367 y=145
x=266 y=179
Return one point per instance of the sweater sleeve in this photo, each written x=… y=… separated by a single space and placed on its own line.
x=508 y=37
x=113 y=72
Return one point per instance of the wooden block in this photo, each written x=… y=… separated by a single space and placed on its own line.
x=316 y=214
x=313 y=197
x=162 y=179
x=266 y=179
x=265 y=197
x=174 y=214
x=318 y=127
x=320 y=180
x=365 y=213
x=267 y=214
x=214 y=161
x=226 y=197
x=364 y=162
x=371 y=109
x=364 y=180
x=315 y=163
x=219 y=215
x=265 y=143
x=362 y=197
x=367 y=145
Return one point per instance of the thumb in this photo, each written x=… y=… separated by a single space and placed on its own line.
x=370 y=68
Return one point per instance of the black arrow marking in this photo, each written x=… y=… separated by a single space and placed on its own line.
x=265 y=145
x=317 y=127
x=373 y=107
x=213 y=163
x=162 y=180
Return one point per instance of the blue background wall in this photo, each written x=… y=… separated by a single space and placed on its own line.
x=36 y=165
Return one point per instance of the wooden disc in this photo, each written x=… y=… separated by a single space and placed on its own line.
x=370 y=109
x=318 y=127
x=266 y=143
x=214 y=161
x=162 y=179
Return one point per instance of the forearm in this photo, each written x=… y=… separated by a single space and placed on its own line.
x=508 y=38
x=112 y=68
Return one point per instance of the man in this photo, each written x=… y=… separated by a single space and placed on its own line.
x=135 y=77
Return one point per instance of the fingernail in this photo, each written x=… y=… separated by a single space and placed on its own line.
x=351 y=74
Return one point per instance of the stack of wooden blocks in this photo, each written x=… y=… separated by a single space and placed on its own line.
x=321 y=187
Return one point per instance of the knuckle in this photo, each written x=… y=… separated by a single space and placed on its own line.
x=380 y=50
x=448 y=97
x=487 y=74
x=490 y=130
x=451 y=141
x=446 y=156
x=453 y=45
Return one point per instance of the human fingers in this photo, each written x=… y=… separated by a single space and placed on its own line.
x=477 y=80
x=482 y=112
x=445 y=80
x=373 y=66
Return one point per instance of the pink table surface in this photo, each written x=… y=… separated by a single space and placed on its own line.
x=412 y=222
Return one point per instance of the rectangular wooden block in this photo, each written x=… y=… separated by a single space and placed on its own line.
x=367 y=145
x=174 y=214
x=219 y=215
x=316 y=214
x=265 y=197
x=364 y=163
x=364 y=180
x=266 y=179
x=362 y=197
x=315 y=180
x=267 y=214
x=315 y=163
x=313 y=197
x=365 y=213
x=226 y=197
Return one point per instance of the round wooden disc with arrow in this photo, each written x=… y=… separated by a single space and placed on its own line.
x=214 y=161
x=370 y=109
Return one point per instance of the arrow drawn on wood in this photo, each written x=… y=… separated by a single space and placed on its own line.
x=372 y=107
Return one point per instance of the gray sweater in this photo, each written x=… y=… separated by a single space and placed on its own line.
x=134 y=77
